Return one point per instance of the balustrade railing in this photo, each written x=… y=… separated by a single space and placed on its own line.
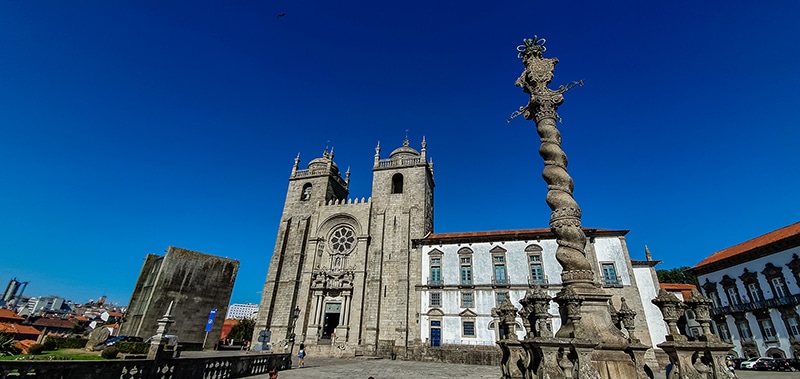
x=182 y=368
x=400 y=162
x=756 y=305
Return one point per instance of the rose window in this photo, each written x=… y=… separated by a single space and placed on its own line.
x=342 y=239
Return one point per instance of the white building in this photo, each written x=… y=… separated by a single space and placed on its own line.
x=755 y=293
x=42 y=304
x=465 y=275
x=240 y=311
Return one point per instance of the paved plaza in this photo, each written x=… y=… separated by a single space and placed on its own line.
x=363 y=368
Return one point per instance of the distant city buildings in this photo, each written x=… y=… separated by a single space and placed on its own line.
x=36 y=305
x=194 y=283
x=755 y=293
x=240 y=311
x=13 y=291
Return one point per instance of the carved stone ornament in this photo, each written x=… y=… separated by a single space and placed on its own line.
x=565 y=220
x=627 y=317
x=671 y=309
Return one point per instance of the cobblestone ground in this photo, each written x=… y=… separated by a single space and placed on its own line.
x=363 y=368
x=359 y=368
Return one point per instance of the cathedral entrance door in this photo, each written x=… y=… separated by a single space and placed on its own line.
x=331 y=321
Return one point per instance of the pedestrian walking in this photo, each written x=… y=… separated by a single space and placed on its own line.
x=731 y=367
x=301 y=356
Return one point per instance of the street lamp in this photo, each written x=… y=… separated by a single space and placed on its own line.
x=295 y=316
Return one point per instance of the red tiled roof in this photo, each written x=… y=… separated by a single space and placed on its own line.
x=53 y=323
x=684 y=289
x=115 y=314
x=18 y=329
x=763 y=241
x=9 y=315
x=519 y=234
x=24 y=345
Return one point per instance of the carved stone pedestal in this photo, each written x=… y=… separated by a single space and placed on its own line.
x=697 y=359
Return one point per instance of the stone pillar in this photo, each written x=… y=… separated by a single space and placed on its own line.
x=160 y=340
x=583 y=306
x=514 y=360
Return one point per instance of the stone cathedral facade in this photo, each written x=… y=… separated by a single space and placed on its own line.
x=369 y=277
x=348 y=264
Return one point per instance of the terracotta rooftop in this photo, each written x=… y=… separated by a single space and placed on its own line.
x=766 y=244
x=506 y=235
x=53 y=323
x=18 y=329
x=9 y=315
x=684 y=289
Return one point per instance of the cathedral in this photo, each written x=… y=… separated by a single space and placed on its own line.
x=352 y=277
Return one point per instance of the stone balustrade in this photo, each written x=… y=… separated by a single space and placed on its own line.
x=183 y=368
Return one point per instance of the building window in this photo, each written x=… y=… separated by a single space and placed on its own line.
x=610 y=274
x=776 y=281
x=710 y=289
x=780 y=287
x=724 y=332
x=466 y=300
x=755 y=292
x=397 y=183
x=733 y=295
x=794 y=326
x=468 y=328
x=501 y=297
x=731 y=290
x=306 y=194
x=537 y=272
x=714 y=299
x=465 y=259
x=436 y=299
x=436 y=271
x=744 y=331
x=768 y=330
x=499 y=262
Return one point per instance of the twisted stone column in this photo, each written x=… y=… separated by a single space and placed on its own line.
x=565 y=219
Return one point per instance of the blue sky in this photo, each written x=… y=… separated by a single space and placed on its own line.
x=127 y=127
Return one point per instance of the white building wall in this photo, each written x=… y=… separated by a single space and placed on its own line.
x=648 y=292
x=757 y=265
x=608 y=249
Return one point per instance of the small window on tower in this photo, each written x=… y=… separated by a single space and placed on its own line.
x=397 y=183
x=306 y=192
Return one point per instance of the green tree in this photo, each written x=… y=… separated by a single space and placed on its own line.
x=243 y=331
x=7 y=344
x=679 y=275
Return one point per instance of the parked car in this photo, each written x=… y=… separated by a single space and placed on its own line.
x=750 y=363
x=787 y=364
x=763 y=363
x=737 y=363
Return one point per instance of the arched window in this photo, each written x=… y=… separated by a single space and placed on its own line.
x=397 y=183
x=306 y=194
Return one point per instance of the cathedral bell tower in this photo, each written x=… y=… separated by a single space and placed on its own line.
x=309 y=189
x=402 y=210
